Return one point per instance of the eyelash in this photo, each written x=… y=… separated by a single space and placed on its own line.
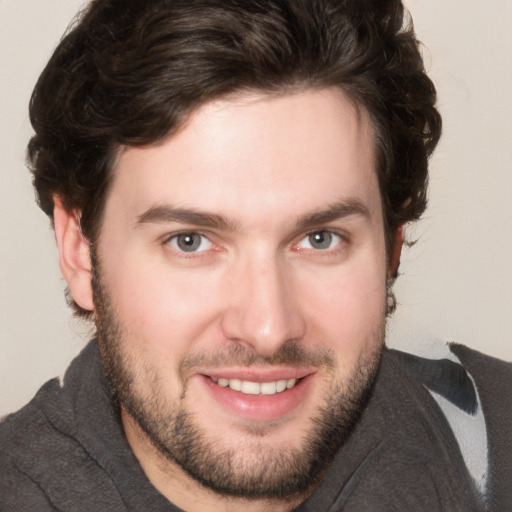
x=342 y=239
x=175 y=236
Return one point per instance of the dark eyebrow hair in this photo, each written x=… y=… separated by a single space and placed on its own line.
x=167 y=213
x=335 y=211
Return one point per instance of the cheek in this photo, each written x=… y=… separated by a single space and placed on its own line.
x=169 y=312
x=346 y=309
x=163 y=309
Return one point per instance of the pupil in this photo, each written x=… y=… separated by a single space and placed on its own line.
x=320 y=240
x=188 y=242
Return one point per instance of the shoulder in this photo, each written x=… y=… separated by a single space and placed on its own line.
x=43 y=465
x=486 y=370
x=463 y=376
x=25 y=429
x=24 y=440
x=493 y=380
x=474 y=392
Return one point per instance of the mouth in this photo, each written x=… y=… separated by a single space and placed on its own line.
x=259 y=396
x=248 y=387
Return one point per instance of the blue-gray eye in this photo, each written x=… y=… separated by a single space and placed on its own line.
x=190 y=242
x=320 y=240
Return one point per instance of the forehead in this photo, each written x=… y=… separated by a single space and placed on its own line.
x=281 y=155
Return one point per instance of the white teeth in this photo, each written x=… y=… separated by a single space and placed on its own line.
x=268 y=388
x=290 y=383
x=280 y=385
x=235 y=384
x=256 y=388
x=250 y=388
x=223 y=382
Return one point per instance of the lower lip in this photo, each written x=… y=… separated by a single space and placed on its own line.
x=259 y=407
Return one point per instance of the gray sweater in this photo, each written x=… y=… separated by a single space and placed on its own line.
x=66 y=450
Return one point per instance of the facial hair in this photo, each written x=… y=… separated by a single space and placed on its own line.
x=264 y=472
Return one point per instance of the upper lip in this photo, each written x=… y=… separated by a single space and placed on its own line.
x=257 y=374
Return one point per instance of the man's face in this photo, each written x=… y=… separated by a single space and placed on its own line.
x=241 y=286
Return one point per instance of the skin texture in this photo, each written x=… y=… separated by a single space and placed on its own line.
x=278 y=198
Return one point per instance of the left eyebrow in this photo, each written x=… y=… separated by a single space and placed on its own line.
x=162 y=214
x=347 y=208
x=166 y=214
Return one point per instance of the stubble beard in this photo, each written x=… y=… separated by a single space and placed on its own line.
x=264 y=473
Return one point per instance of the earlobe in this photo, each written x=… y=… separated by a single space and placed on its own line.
x=396 y=251
x=74 y=254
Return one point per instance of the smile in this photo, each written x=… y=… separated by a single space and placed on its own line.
x=258 y=395
x=256 y=388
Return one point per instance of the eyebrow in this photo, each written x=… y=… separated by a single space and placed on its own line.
x=167 y=213
x=336 y=211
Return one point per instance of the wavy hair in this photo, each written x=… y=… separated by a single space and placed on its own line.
x=130 y=72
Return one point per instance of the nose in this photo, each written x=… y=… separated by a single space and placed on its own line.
x=263 y=311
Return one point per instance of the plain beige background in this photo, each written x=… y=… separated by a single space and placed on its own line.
x=457 y=280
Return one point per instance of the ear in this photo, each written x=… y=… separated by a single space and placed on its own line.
x=396 y=251
x=74 y=254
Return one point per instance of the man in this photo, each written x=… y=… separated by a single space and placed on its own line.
x=228 y=182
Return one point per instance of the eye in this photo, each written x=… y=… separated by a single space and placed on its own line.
x=190 y=242
x=320 y=240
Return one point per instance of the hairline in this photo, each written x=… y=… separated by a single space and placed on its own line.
x=239 y=95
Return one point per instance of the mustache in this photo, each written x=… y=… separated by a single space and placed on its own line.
x=289 y=354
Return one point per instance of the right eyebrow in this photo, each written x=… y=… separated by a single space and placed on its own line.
x=165 y=214
x=340 y=210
